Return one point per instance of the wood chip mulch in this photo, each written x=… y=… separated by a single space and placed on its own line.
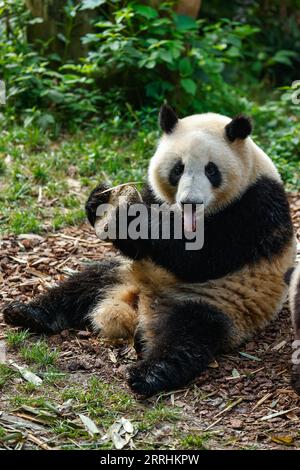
x=244 y=400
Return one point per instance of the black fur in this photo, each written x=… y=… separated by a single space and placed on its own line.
x=66 y=305
x=167 y=119
x=148 y=195
x=213 y=174
x=175 y=173
x=256 y=226
x=187 y=337
x=296 y=367
x=239 y=128
x=297 y=310
x=288 y=276
x=138 y=342
x=295 y=380
x=96 y=198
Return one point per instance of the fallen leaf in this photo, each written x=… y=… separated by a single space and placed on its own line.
x=279 y=346
x=213 y=365
x=27 y=374
x=278 y=413
x=120 y=433
x=112 y=357
x=286 y=440
x=89 y=425
x=249 y=356
x=235 y=373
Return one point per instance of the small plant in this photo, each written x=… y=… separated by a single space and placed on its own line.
x=196 y=441
x=40 y=174
x=6 y=374
x=24 y=221
x=40 y=354
x=15 y=339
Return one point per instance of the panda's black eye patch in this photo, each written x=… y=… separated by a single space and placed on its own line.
x=176 y=173
x=213 y=174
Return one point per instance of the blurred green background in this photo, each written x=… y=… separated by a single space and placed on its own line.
x=85 y=80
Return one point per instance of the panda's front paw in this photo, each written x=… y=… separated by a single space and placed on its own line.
x=98 y=196
x=147 y=378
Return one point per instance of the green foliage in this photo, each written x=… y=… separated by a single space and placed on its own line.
x=138 y=56
x=278 y=132
x=42 y=89
x=273 y=55
x=154 y=54
x=196 y=441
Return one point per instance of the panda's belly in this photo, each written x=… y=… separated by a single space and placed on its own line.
x=251 y=297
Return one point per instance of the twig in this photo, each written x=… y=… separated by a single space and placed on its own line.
x=262 y=400
x=213 y=424
x=38 y=442
x=228 y=408
x=279 y=413
x=131 y=183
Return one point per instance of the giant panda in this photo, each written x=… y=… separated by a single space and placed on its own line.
x=294 y=297
x=184 y=307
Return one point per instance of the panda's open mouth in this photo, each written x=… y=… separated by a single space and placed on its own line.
x=189 y=217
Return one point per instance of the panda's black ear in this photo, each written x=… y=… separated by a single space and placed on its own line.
x=167 y=119
x=239 y=128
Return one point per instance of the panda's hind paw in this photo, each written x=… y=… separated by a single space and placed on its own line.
x=24 y=315
x=14 y=313
x=147 y=378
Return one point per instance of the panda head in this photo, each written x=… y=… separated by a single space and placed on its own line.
x=202 y=159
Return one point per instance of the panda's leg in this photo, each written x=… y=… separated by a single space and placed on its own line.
x=182 y=341
x=68 y=304
x=116 y=316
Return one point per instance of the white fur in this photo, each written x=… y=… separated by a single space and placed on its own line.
x=200 y=139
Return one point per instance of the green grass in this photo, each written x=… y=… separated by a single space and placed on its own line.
x=100 y=399
x=39 y=354
x=196 y=441
x=6 y=374
x=44 y=183
x=15 y=339
x=103 y=402
x=158 y=414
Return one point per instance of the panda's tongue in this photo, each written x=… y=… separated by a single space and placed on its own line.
x=189 y=219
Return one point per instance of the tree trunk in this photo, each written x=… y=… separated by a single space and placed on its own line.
x=189 y=7
x=56 y=25
x=185 y=7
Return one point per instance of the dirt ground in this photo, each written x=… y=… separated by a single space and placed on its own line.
x=244 y=401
